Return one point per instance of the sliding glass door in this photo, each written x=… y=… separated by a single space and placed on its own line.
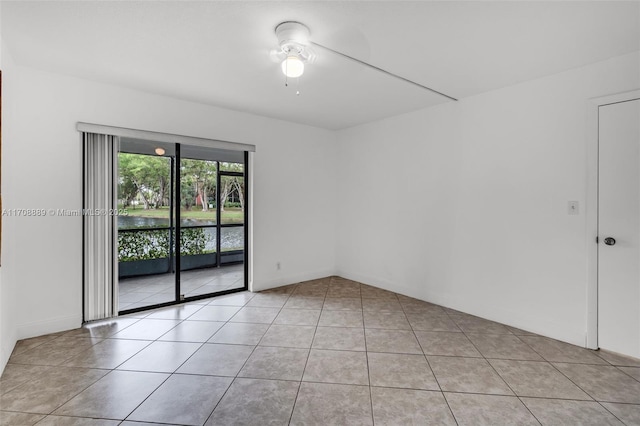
x=183 y=236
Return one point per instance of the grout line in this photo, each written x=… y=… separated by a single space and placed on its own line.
x=498 y=374
x=295 y=401
x=289 y=295
x=431 y=369
x=233 y=379
x=366 y=355
x=574 y=383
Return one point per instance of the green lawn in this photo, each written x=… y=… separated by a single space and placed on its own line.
x=229 y=215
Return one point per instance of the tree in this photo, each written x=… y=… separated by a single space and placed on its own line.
x=146 y=175
x=201 y=174
x=231 y=184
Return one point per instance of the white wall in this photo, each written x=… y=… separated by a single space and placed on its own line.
x=7 y=340
x=43 y=169
x=465 y=204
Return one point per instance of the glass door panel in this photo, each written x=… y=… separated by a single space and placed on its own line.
x=184 y=235
x=145 y=240
x=198 y=224
x=232 y=222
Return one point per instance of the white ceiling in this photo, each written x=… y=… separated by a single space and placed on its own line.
x=217 y=52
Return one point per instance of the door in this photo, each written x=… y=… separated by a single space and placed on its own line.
x=619 y=227
x=182 y=237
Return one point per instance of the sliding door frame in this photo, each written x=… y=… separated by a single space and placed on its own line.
x=178 y=140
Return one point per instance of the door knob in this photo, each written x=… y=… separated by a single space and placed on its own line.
x=610 y=241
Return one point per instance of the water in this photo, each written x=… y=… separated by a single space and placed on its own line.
x=231 y=238
x=128 y=222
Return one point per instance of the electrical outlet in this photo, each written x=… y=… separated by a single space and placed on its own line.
x=278 y=266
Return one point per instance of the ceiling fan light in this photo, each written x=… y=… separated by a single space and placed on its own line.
x=292 y=66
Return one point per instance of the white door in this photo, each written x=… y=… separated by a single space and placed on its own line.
x=619 y=228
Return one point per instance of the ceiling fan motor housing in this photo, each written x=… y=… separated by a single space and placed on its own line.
x=293 y=38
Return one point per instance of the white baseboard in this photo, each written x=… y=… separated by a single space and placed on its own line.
x=290 y=279
x=5 y=353
x=38 y=328
x=537 y=324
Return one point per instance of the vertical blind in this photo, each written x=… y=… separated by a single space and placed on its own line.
x=100 y=256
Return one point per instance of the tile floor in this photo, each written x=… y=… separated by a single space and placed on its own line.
x=324 y=352
x=137 y=292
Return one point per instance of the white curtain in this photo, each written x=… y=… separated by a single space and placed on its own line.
x=100 y=256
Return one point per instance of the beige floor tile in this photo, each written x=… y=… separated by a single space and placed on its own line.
x=489 y=410
x=178 y=312
x=240 y=334
x=275 y=363
x=217 y=360
x=628 y=413
x=285 y=289
x=617 y=359
x=473 y=375
x=381 y=305
x=400 y=407
x=26 y=344
x=304 y=302
x=54 y=352
x=428 y=322
x=342 y=304
x=503 y=346
x=386 y=320
x=109 y=353
x=395 y=341
x=519 y=332
x=76 y=421
x=369 y=292
x=344 y=367
x=401 y=371
x=255 y=315
x=423 y=308
x=49 y=390
x=161 y=357
x=289 y=336
x=104 y=328
x=183 y=399
x=556 y=351
x=114 y=396
x=341 y=319
x=146 y=329
x=339 y=291
x=298 y=317
x=8 y=418
x=256 y=402
x=15 y=375
x=214 y=313
x=192 y=331
x=268 y=300
x=632 y=371
x=470 y=324
x=559 y=412
x=537 y=379
x=235 y=299
x=331 y=404
x=339 y=338
x=447 y=344
x=603 y=382
x=280 y=380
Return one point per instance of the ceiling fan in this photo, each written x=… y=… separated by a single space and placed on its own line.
x=294 y=51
